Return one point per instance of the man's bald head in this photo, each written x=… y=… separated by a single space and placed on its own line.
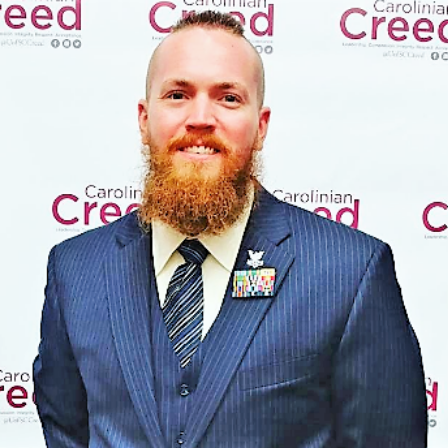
x=214 y=21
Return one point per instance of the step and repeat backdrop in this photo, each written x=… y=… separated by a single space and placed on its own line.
x=358 y=134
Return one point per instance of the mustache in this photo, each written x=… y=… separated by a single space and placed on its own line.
x=198 y=139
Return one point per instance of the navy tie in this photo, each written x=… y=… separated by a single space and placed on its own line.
x=184 y=304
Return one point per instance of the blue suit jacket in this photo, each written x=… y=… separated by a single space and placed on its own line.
x=330 y=362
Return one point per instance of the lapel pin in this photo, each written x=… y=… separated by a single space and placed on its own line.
x=255 y=259
x=254 y=283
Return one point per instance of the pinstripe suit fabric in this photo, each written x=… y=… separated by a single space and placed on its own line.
x=330 y=362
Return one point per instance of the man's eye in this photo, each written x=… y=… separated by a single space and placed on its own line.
x=176 y=96
x=231 y=98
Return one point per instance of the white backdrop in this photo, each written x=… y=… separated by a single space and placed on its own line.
x=359 y=100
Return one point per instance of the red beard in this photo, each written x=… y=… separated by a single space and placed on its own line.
x=197 y=197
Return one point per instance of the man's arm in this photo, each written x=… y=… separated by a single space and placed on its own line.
x=378 y=390
x=60 y=394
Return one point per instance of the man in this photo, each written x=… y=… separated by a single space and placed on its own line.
x=219 y=316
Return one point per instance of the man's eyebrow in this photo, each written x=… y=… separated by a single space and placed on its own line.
x=177 y=83
x=229 y=85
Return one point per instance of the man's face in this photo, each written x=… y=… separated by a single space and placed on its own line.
x=203 y=104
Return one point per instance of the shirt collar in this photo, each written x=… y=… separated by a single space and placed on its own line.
x=224 y=247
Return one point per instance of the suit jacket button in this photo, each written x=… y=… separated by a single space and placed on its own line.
x=184 y=390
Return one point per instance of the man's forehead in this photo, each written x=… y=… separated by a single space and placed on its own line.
x=200 y=35
x=193 y=42
x=205 y=44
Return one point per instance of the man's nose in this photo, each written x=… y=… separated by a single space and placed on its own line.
x=200 y=115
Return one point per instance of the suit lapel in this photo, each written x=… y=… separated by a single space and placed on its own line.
x=239 y=319
x=127 y=274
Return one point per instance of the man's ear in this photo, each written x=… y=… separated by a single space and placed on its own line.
x=263 y=123
x=143 y=120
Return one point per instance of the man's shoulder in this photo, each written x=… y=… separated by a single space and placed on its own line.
x=100 y=240
x=316 y=230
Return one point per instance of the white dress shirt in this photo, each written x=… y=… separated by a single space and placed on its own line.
x=216 y=269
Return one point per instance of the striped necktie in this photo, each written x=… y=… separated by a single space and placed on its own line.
x=184 y=304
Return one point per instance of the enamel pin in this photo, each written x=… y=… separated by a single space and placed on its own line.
x=254 y=283
x=255 y=259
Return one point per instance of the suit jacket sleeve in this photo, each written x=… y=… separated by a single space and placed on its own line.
x=59 y=390
x=378 y=389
